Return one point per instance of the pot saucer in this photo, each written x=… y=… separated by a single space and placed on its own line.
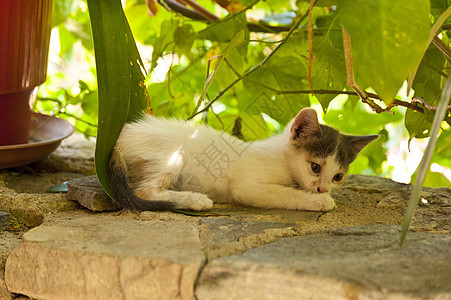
x=46 y=133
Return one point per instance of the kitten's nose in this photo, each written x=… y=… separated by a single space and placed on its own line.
x=322 y=190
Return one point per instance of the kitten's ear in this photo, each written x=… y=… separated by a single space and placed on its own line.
x=305 y=124
x=355 y=143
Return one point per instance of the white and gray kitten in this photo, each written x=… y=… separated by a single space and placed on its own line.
x=160 y=164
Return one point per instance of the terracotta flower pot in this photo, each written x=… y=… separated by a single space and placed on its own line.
x=25 y=27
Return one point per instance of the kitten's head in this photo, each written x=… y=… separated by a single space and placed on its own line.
x=319 y=155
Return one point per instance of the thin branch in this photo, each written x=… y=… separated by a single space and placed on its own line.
x=442 y=46
x=76 y=118
x=427 y=105
x=180 y=8
x=411 y=105
x=201 y=10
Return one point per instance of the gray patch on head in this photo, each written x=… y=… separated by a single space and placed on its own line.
x=324 y=143
x=328 y=141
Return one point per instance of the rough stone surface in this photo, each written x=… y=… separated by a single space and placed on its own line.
x=4 y=220
x=74 y=155
x=104 y=257
x=227 y=236
x=89 y=193
x=8 y=241
x=351 y=263
x=29 y=209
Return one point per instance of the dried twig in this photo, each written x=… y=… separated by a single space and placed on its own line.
x=442 y=46
x=427 y=105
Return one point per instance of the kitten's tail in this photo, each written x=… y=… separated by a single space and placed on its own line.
x=120 y=187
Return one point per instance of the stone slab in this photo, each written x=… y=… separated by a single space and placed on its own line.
x=29 y=209
x=223 y=237
x=363 y=262
x=106 y=257
x=89 y=193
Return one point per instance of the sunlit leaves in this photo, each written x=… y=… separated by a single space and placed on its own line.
x=277 y=73
x=61 y=10
x=224 y=30
x=164 y=39
x=328 y=70
x=388 y=39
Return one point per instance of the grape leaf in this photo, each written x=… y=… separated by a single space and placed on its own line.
x=328 y=70
x=388 y=39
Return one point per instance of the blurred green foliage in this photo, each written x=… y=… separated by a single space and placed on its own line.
x=263 y=81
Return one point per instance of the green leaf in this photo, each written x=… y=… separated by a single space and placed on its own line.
x=89 y=103
x=237 y=40
x=433 y=179
x=278 y=73
x=184 y=38
x=253 y=126
x=67 y=40
x=59 y=188
x=61 y=10
x=225 y=29
x=351 y=121
x=388 y=39
x=438 y=7
x=326 y=3
x=145 y=28
x=418 y=124
x=199 y=213
x=166 y=37
x=328 y=69
x=444 y=144
x=429 y=75
x=120 y=81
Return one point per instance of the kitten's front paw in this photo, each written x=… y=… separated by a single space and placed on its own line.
x=195 y=201
x=202 y=203
x=327 y=203
x=320 y=202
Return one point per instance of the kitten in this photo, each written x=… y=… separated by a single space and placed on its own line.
x=160 y=164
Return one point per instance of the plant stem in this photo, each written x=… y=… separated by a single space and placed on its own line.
x=425 y=162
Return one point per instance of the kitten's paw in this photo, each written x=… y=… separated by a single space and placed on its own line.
x=327 y=203
x=320 y=202
x=194 y=201
x=201 y=203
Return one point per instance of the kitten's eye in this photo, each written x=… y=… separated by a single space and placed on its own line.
x=315 y=167
x=338 y=177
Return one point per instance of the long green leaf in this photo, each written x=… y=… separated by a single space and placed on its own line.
x=122 y=94
x=425 y=162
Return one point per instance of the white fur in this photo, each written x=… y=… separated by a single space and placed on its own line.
x=191 y=165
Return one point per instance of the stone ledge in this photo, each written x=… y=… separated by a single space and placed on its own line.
x=103 y=257
x=350 y=263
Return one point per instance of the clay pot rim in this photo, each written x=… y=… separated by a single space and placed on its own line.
x=49 y=129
